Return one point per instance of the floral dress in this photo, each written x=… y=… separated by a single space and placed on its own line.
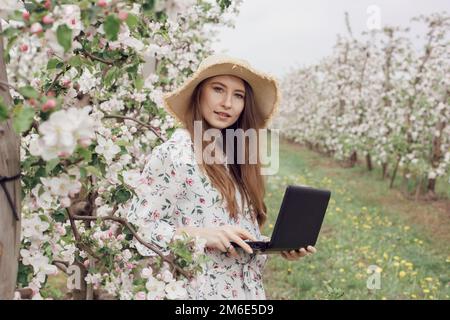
x=180 y=194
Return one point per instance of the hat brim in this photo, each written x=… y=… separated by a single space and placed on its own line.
x=265 y=88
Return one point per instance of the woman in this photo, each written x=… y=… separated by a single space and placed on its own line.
x=187 y=192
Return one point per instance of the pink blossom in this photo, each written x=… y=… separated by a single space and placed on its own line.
x=63 y=154
x=36 y=27
x=48 y=19
x=49 y=105
x=66 y=83
x=85 y=142
x=102 y=3
x=48 y=4
x=140 y=295
x=60 y=229
x=32 y=102
x=123 y=15
x=26 y=15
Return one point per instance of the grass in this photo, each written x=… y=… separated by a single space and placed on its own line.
x=367 y=224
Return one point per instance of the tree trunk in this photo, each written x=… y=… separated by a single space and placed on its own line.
x=384 y=167
x=9 y=166
x=394 y=173
x=431 y=186
x=369 y=162
x=418 y=189
x=353 y=159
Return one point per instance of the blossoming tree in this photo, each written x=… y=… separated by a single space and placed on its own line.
x=380 y=98
x=82 y=99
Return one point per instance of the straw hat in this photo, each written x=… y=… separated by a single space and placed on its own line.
x=265 y=87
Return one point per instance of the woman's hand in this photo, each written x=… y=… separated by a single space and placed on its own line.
x=220 y=238
x=297 y=254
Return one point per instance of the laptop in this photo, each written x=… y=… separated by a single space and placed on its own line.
x=299 y=220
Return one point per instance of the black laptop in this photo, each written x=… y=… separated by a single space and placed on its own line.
x=299 y=220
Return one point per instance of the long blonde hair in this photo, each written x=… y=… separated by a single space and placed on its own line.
x=247 y=176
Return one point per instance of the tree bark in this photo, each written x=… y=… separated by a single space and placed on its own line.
x=384 y=170
x=369 y=162
x=9 y=166
x=394 y=173
x=353 y=159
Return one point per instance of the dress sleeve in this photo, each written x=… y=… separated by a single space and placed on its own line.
x=151 y=209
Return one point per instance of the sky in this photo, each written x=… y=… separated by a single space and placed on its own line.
x=275 y=36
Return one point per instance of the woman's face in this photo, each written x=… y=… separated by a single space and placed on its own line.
x=222 y=100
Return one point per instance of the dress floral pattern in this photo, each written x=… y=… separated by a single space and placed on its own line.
x=180 y=194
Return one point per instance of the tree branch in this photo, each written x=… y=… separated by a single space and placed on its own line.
x=54 y=81
x=138 y=238
x=77 y=236
x=90 y=55
x=110 y=116
x=61 y=265
x=6 y=84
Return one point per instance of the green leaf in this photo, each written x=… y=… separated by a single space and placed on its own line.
x=24 y=274
x=59 y=215
x=111 y=27
x=148 y=6
x=43 y=217
x=110 y=76
x=28 y=92
x=132 y=21
x=22 y=119
x=54 y=64
x=64 y=36
x=122 y=143
x=10 y=32
x=83 y=173
x=11 y=42
x=139 y=82
x=224 y=4
x=122 y=195
x=3 y=110
x=50 y=165
x=93 y=170
x=75 y=61
x=86 y=154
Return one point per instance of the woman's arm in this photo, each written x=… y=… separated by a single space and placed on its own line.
x=220 y=238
